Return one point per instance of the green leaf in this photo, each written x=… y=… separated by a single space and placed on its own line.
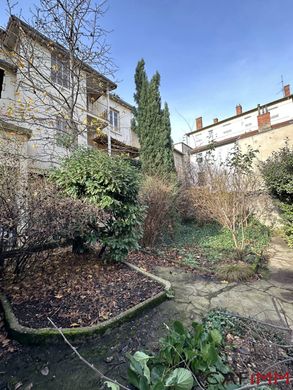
x=180 y=379
x=142 y=358
x=157 y=373
x=133 y=377
x=112 y=386
x=179 y=328
x=216 y=336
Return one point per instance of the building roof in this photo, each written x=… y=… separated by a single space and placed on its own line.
x=15 y=21
x=238 y=116
x=118 y=99
x=236 y=138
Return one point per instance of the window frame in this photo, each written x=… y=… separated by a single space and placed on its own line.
x=61 y=75
x=112 y=114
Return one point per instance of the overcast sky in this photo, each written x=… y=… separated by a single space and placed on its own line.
x=211 y=54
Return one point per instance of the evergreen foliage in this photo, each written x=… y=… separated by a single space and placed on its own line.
x=277 y=172
x=152 y=124
x=112 y=184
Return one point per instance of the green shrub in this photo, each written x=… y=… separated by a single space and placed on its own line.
x=224 y=322
x=235 y=272
x=182 y=354
x=112 y=184
x=277 y=172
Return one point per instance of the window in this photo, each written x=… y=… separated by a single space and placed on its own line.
x=62 y=125
x=60 y=71
x=1 y=81
x=114 y=119
x=65 y=135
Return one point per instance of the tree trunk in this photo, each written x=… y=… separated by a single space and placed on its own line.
x=78 y=246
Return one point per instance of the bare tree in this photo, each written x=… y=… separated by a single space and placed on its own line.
x=38 y=217
x=58 y=66
x=227 y=195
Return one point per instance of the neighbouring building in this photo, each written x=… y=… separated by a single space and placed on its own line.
x=181 y=153
x=266 y=127
x=32 y=98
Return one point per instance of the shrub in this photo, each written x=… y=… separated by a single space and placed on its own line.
x=227 y=196
x=235 y=272
x=112 y=184
x=36 y=216
x=182 y=354
x=188 y=208
x=158 y=196
x=277 y=172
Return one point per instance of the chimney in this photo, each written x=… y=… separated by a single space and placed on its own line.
x=286 y=90
x=238 y=109
x=263 y=118
x=198 y=123
x=216 y=120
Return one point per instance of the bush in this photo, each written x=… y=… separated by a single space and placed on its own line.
x=188 y=208
x=277 y=172
x=235 y=272
x=112 y=184
x=36 y=216
x=227 y=196
x=183 y=356
x=158 y=196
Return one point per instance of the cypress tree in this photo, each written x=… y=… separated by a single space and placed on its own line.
x=141 y=85
x=167 y=143
x=152 y=124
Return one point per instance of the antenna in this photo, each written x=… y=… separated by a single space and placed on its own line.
x=282 y=90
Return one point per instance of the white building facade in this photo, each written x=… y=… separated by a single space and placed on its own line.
x=265 y=128
x=35 y=87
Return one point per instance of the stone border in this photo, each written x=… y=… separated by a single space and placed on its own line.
x=28 y=335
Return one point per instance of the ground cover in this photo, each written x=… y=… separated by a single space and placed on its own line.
x=230 y=350
x=75 y=290
x=202 y=248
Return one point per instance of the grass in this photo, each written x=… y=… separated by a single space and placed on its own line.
x=215 y=242
x=235 y=272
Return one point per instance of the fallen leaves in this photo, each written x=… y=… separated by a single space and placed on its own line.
x=76 y=290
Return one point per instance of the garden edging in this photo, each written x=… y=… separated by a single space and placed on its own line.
x=49 y=335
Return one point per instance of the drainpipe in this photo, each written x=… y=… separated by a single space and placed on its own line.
x=109 y=126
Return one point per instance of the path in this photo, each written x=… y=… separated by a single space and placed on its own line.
x=267 y=300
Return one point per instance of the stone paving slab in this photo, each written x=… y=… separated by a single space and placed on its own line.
x=266 y=300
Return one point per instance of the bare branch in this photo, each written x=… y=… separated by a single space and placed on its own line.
x=91 y=366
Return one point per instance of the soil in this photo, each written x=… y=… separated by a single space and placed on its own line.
x=149 y=260
x=75 y=290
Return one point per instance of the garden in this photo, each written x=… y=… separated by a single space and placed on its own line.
x=116 y=272
x=92 y=241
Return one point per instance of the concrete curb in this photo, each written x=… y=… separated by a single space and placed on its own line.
x=28 y=335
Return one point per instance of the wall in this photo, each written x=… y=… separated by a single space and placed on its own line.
x=125 y=134
x=269 y=141
x=280 y=112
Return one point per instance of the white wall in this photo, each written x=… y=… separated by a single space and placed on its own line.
x=124 y=133
x=280 y=112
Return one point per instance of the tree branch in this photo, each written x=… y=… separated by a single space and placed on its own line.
x=100 y=374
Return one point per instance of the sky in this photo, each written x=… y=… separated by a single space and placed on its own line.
x=211 y=54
